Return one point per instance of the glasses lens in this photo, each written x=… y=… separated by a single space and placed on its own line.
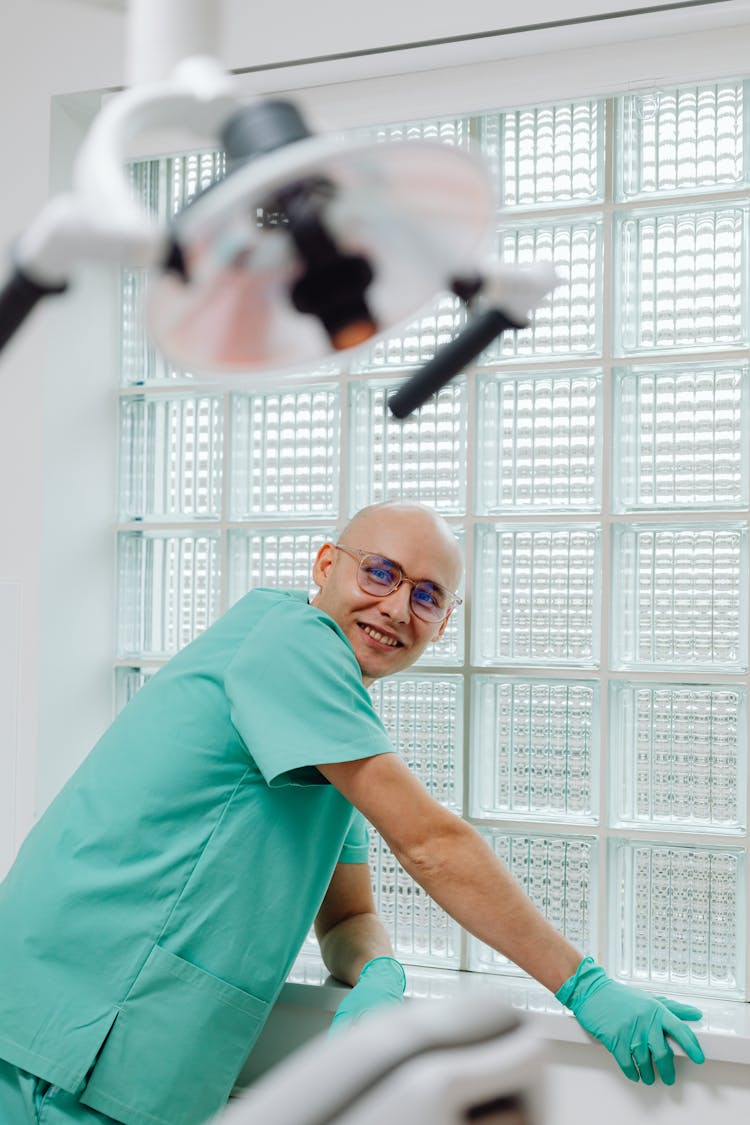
x=429 y=602
x=378 y=575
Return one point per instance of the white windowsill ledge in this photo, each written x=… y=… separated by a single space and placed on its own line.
x=724 y=1031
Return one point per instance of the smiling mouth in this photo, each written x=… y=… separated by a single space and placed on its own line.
x=381 y=638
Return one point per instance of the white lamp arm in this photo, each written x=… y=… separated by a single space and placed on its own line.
x=100 y=220
x=197 y=96
x=516 y=290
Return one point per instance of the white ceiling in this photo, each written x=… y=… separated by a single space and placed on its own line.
x=306 y=44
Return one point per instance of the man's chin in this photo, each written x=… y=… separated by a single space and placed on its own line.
x=377 y=669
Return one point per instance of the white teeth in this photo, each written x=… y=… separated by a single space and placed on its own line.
x=379 y=636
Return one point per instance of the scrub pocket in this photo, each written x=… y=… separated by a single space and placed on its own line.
x=176 y=1046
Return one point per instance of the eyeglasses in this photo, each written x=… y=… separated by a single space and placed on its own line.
x=379 y=576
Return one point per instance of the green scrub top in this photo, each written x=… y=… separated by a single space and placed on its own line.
x=156 y=908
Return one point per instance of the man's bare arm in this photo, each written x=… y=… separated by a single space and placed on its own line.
x=452 y=862
x=347 y=927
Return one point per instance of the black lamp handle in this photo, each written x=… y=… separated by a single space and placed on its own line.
x=449 y=360
x=18 y=297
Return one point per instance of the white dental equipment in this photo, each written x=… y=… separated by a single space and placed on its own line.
x=308 y=246
x=426 y=1063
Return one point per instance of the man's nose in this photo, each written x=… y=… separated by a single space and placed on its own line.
x=397 y=604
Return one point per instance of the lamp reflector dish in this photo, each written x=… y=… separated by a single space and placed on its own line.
x=420 y=212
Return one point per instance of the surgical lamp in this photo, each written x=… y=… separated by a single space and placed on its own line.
x=463 y=1060
x=307 y=247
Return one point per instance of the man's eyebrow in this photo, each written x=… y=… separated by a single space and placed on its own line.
x=388 y=559
x=432 y=581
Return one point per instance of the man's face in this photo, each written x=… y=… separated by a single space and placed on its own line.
x=384 y=632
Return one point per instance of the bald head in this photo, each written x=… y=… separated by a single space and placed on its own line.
x=412 y=521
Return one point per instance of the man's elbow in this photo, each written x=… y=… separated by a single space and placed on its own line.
x=429 y=856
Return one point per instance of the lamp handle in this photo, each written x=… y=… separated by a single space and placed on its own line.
x=449 y=360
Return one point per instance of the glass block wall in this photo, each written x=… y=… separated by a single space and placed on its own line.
x=587 y=709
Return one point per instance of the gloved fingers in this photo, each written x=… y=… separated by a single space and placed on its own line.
x=682 y=1011
x=624 y=1060
x=641 y=1055
x=660 y=1054
x=345 y=1014
x=340 y=1022
x=685 y=1036
x=384 y=978
x=665 y=1066
x=363 y=998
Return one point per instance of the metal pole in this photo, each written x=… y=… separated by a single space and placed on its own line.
x=161 y=33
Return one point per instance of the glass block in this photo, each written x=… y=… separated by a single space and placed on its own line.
x=569 y=320
x=680 y=437
x=171 y=457
x=145 y=177
x=456 y=131
x=539 y=442
x=139 y=361
x=421 y=459
x=534 y=749
x=545 y=155
x=188 y=174
x=168 y=590
x=677 y=917
x=415 y=343
x=420 y=931
x=129 y=681
x=164 y=187
x=538 y=589
x=559 y=874
x=280 y=559
x=685 y=140
x=681 y=279
x=423 y=716
x=679 y=756
x=285 y=454
x=679 y=596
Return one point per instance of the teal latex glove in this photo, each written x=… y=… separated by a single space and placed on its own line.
x=632 y=1024
x=381 y=981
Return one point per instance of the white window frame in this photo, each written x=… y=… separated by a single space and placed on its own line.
x=573 y=74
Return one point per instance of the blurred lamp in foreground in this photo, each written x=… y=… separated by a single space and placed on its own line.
x=307 y=247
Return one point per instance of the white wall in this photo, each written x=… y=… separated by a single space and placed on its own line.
x=44 y=48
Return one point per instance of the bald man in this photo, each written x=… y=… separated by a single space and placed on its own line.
x=155 y=910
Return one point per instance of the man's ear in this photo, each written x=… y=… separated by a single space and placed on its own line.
x=323 y=563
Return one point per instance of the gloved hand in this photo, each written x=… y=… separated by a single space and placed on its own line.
x=381 y=981
x=632 y=1024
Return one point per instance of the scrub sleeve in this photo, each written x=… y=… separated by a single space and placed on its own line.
x=308 y=705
